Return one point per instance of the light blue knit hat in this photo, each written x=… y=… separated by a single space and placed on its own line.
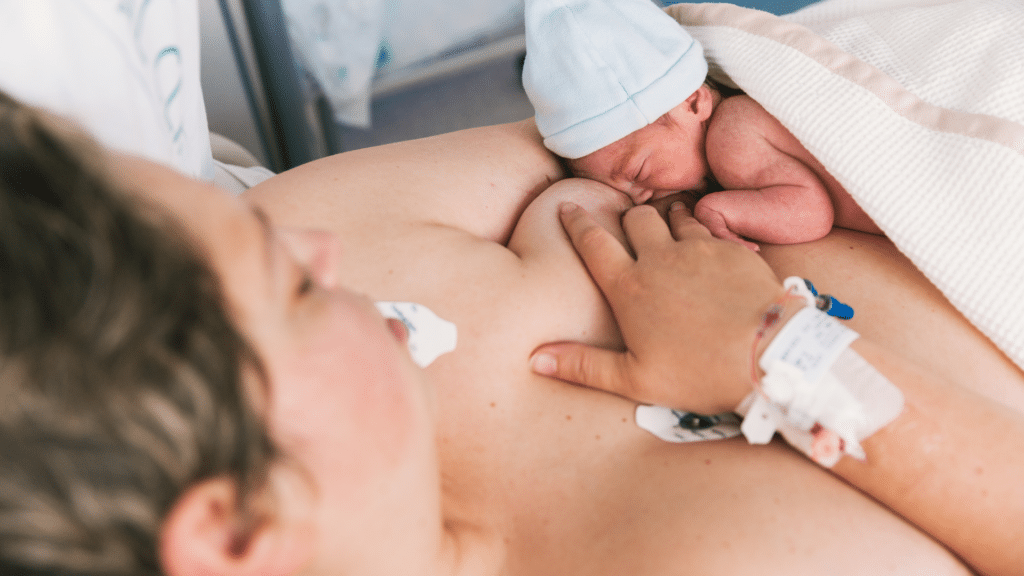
x=599 y=70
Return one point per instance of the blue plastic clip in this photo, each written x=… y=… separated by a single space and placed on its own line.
x=829 y=304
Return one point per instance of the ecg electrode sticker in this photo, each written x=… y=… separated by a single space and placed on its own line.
x=429 y=335
x=681 y=426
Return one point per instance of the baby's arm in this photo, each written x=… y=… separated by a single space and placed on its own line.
x=771 y=194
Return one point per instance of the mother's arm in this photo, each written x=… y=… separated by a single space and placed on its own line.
x=949 y=463
x=478 y=180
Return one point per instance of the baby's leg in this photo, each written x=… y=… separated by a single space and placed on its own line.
x=781 y=214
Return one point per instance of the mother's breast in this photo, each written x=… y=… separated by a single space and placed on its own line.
x=585 y=491
x=571 y=481
x=562 y=472
x=508 y=301
x=499 y=423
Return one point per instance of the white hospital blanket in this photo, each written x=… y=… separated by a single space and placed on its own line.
x=917 y=107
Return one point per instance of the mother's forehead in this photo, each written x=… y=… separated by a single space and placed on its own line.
x=193 y=202
x=220 y=225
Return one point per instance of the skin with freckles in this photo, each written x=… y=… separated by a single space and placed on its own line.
x=959 y=483
x=774 y=190
x=538 y=477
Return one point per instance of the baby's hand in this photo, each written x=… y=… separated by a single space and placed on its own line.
x=715 y=222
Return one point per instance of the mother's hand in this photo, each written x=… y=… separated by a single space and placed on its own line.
x=689 y=307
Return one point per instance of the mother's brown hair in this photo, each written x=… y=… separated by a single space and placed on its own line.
x=120 y=370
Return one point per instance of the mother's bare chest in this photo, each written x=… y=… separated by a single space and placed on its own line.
x=564 y=473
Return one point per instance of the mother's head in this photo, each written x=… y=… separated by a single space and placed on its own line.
x=183 y=388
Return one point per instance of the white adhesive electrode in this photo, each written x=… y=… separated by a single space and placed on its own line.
x=429 y=335
x=681 y=426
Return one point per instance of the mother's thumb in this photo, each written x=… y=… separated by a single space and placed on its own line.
x=581 y=364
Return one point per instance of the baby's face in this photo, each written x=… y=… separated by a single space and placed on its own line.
x=651 y=163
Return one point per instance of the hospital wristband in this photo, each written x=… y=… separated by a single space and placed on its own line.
x=820 y=395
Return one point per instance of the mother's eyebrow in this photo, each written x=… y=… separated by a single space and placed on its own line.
x=268 y=234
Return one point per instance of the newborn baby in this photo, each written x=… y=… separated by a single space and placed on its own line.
x=619 y=89
x=773 y=189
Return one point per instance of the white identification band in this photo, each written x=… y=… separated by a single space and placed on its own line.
x=429 y=335
x=819 y=394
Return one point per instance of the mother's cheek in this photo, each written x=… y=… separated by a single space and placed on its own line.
x=344 y=405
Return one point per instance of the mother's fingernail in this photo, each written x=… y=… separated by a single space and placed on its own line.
x=543 y=363
x=676 y=206
x=565 y=207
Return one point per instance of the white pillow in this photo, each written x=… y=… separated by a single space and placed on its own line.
x=126 y=70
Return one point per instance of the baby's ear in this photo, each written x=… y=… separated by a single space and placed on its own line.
x=701 y=103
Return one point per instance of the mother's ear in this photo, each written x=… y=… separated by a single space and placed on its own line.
x=204 y=535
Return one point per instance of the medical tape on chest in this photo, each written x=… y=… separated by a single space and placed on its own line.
x=429 y=335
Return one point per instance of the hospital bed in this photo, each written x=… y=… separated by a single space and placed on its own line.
x=289 y=83
x=255 y=93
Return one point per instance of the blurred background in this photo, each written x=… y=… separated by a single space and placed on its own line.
x=292 y=80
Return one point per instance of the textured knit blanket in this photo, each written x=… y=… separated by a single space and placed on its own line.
x=917 y=108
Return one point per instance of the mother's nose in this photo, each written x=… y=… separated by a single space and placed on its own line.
x=317 y=250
